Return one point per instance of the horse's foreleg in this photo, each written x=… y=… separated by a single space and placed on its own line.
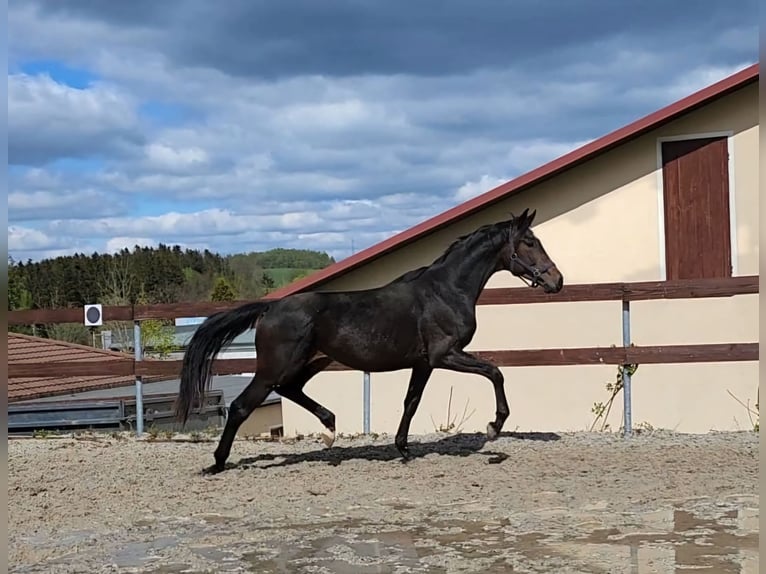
x=241 y=408
x=466 y=363
x=418 y=379
x=293 y=390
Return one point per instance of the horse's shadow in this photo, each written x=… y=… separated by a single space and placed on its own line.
x=457 y=445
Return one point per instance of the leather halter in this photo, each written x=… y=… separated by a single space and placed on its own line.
x=533 y=273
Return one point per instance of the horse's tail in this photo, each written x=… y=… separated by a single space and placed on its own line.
x=213 y=334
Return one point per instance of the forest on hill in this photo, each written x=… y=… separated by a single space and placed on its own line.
x=148 y=275
x=163 y=274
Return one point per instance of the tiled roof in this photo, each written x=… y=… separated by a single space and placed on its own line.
x=609 y=141
x=28 y=349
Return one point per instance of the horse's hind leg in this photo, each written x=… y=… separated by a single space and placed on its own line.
x=293 y=390
x=241 y=408
x=281 y=357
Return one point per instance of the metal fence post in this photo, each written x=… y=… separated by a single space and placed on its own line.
x=366 y=399
x=626 y=391
x=139 y=381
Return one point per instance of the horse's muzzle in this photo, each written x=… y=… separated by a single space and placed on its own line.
x=553 y=286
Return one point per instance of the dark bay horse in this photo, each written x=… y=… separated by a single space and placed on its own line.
x=421 y=321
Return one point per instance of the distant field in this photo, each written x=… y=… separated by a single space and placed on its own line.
x=284 y=275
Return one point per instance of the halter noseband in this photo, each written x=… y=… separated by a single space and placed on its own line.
x=533 y=271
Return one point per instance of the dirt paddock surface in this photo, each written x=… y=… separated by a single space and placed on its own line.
x=658 y=502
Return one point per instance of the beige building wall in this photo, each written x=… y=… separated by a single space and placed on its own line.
x=600 y=222
x=262 y=420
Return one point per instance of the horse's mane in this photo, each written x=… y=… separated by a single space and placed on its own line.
x=469 y=239
x=464 y=242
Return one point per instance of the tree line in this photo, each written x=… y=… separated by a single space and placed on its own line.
x=149 y=275
x=163 y=274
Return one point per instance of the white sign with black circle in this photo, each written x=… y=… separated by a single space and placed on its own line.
x=93 y=315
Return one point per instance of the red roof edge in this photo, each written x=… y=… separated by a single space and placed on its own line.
x=68 y=345
x=620 y=136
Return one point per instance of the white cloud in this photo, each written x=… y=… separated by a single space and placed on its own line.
x=31 y=205
x=471 y=189
x=684 y=84
x=48 y=120
x=26 y=239
x=535 y=153
x=166 y=157
x=116 y=244
x=175 y=226
x=27 y=243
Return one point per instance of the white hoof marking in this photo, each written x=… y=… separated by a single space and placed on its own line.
x=328 y=439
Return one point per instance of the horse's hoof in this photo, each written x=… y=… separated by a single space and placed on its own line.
x=491 y=432
x=214 y=469
x=328 y=439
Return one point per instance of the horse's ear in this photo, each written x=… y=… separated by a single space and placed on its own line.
x=523 y=222
x=531 y=217
x=523 y=218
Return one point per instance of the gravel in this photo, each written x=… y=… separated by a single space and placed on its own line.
x=536 y=502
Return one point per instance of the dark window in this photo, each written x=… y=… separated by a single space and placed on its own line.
x=695 y=175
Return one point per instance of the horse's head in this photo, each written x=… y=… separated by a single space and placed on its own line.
x=526 y=258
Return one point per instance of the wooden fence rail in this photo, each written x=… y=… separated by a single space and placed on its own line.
x=640 y=291
x=643 y=291
x=705 y=353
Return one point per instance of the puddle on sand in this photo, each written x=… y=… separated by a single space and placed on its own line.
x=673 y=541
x=693 y=538
x=688 y=544
x=170 y=569
x=338 y=554
x=139 y=553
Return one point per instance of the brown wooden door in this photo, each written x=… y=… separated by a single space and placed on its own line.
x=695 y=176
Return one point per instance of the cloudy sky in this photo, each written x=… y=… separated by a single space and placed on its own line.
x=246 y=125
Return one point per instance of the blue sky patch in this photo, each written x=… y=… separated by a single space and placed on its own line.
x=78 y=78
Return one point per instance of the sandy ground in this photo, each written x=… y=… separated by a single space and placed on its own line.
x=524 y=503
